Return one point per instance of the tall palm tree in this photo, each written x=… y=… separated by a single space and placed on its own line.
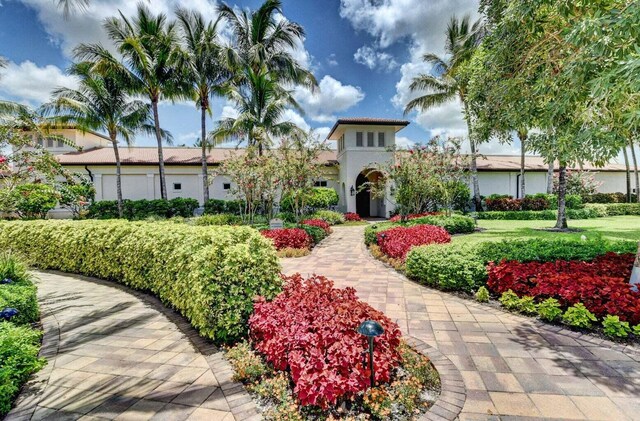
x=635 y=169
x=102 y=104
x=444 y=84
x=148 y=44
x=204 y=68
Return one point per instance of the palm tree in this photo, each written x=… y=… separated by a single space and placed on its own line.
x=635 y=169
x=148 y=45
x=627 y=173
x=204 y=69
x=445 y=84
x=102 y=104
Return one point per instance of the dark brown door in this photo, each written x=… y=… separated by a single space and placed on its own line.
x=363 y=197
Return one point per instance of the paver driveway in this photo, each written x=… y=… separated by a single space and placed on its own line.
x=513 y=367
x=114 y=354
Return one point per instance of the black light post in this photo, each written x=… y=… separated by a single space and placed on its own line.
x=371 y=329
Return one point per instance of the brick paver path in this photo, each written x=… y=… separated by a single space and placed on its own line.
x=513 y=367
x=116 y=354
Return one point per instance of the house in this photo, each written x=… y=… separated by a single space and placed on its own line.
x=360 y=143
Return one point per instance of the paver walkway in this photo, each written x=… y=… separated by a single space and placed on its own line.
x=116 y=354
x=513 y=367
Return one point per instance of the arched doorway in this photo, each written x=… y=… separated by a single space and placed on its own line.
x=363 y=197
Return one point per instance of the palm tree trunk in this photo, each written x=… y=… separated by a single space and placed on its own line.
x=561 y=222
x=474 y=177
x=523 y=138
x=156 y=122
x=628 y=173
x=550 y=178
x=116 y=152
x=635 y=169
x=203 y=139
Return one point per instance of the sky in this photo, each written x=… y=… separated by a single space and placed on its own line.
x=364 y=54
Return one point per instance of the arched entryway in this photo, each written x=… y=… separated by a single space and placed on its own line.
x=366 y=205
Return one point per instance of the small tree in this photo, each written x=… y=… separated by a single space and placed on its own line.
x=77 y=197
x=578 y=182
x=34 y=200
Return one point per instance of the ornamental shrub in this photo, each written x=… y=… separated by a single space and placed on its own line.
x=618 y=209
x=503 y=204
x=578 y=316
x=317 y=234
x=310 y=329
x=482 y=295
x=208 y=274
x=396 y=242
x=527 y=305
x=282 y=238
x=23 y=298
x=218 y=219
x=371 y=231
x=214 y=206
x=536 y=202
x=510 y=300
x=318 y=223
x=607 y=198
x=545 y=215
x=19 y=347
x=352 y=217
x=398 y=218
x=14 y=271
x=636 y=330
x=614 y=327
x=454 y=224
x=447 y=266
x=143 y=209
x=33 y=201
x=331 y=217
x=317 y=198
x=549 y=310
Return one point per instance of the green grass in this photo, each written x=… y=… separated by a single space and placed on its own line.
x=614 y=228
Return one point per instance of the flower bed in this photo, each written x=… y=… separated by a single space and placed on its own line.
x=396 y=242
x=295 y=238
x=307 y=356
x=318 y=223
x=352 y=217
x=454 y=224
x=602 y=285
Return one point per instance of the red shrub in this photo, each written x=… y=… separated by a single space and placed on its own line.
x=296 y=238
x=352 y=217
x=310 y=329
x=535 y=203
x=503 y=204
x=396 y=242
x=318 y=223
x=602 y=285
x=397 y=218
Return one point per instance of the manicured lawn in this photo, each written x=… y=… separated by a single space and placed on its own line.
x=614 y=228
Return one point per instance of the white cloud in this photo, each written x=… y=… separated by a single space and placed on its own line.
x=332 y=60
x=26 y=82
x=332 y=97
x=375 y=59
x=228 y=111
x=292 y=116
x=403 y=142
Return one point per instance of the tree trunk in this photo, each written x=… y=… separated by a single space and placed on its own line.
x=561 y=222
x=523 y=138
x=114 y=142
x=203 y=139
x=628 y=173
x=156 y=121
x=550 y=178
x=474 y=177
x=635 y=169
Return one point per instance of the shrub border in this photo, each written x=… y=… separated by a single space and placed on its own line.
x=241 y=406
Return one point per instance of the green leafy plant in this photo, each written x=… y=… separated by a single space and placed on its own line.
x=33 y=201
x=614 y=327
x=218 y=219
x=527 y=305
x=482 y=295
x=510 y=300
x=247 y=366
x=550 y=310
x=578 y=316
x=636 y=330
x=333 y=218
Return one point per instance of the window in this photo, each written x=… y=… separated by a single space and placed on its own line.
x=177 y=186
x=40 y=142
x=370 y=139
x=320 y=183
x=359 y=139
x=49 y=143
x=60 y=144
x=226 y=186
x=381 y=140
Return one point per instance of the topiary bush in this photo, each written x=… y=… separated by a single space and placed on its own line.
x=221 y=268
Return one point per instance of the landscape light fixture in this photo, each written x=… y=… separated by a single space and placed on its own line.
x=371 y=329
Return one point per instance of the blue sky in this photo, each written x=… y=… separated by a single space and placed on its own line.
x=364 y=53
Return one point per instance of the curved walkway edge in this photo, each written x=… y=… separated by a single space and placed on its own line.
x=114 y=353
x=511 y=366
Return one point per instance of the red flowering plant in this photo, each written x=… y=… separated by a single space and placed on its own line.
x=503 y=204
x=601 y=285
x=352 y=217
x=318 y=223
x=396 y=242
x=295 y=238
x=310 y=329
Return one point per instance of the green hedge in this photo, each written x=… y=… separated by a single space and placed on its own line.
x=215 y=206
x=454 y=224
x=218 y=219
x=330 y=217
x=546 y=215
x=316 y=233
x=142 y=209
x=614 y=209
x=463 y=266
x=607 y=198
x=209 y=274
x=317 y=198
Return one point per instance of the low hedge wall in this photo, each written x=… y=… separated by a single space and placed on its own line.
x=215 y=206
x=142 y=209
x=463 y=266
x=614 y=209
x=455 y=224
x=607 y=198
x=546 y=215
x=209 y=274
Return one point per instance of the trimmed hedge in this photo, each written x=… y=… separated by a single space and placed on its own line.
x=545 y=215
x=218 y=219
x=141 y=209
x=607 y=198
x=317 y=198
x=454 y=224
x=615 y=209
x=215 y=206
x=463 y=266
x=209 y=274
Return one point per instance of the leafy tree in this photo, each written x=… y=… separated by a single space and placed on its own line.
x=102 y=104
x=76 y=196
x=148 y=44
x=34 y=200
x=205 y=69
x=447 y=81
